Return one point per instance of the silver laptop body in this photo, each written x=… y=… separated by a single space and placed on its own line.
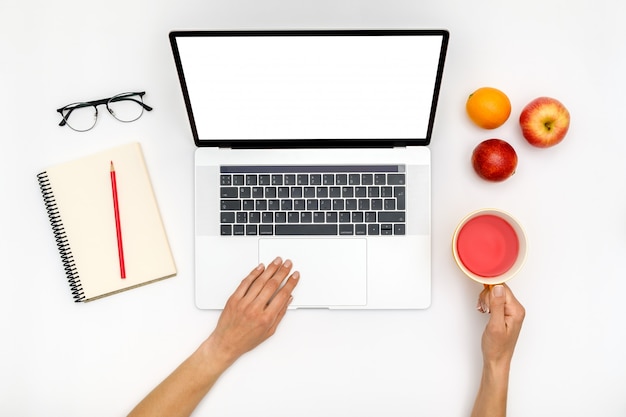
x=312 y=146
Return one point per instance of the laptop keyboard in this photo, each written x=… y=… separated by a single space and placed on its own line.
x=312 y=200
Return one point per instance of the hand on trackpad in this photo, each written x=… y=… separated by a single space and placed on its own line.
x=333 y=271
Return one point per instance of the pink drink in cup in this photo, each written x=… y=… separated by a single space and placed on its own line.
x=489 y=246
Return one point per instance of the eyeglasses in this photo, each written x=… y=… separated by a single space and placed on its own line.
x=125 y=107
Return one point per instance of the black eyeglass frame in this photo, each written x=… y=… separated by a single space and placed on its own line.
x=95 y=103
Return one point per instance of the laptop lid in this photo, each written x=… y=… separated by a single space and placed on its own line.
x=310 y=88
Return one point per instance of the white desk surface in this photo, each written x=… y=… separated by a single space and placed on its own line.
x=101 y=358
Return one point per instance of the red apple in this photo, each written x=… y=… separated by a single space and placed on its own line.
x=494 y=160
x=544 y=122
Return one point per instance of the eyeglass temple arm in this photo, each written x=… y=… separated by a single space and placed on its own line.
x=144 y=105
x=63 y=117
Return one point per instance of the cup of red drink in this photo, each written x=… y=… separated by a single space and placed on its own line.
x=489 y=246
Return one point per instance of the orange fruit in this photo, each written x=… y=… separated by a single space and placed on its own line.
x=488 y=107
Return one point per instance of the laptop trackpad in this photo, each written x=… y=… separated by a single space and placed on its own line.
x=332 y=271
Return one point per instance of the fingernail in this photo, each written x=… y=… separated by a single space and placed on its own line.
x=287 y=264
x=295 y=275
x=260 y=267
x=498 y=291
x=482 y=307
x=277 y=261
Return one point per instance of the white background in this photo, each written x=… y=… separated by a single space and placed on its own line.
x=100 y=359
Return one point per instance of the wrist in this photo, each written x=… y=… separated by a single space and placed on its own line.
x=497 y=369
x=497 y=365
x=496 y=374
x=215 y=357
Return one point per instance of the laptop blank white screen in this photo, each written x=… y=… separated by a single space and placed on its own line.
x=310 y=87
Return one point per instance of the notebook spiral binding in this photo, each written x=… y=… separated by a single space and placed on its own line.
x=60 y=237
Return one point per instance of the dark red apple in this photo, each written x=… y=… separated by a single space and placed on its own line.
x=494 y=160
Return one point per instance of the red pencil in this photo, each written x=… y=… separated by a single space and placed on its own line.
x=118 y=227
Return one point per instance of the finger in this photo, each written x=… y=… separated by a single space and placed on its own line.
x=273 y=284
x=483 y=300
x=259 y=282
x=280 y=315
x=513 y=308
x=245 y=284
x=497 y=301
x=280 y=303
x=510 y=298
x=283 y=295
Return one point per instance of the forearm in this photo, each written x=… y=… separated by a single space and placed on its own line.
x=492 y=394
x=250 y=316
x=181 y=392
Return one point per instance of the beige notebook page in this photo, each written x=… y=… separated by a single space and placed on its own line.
x=83 y=194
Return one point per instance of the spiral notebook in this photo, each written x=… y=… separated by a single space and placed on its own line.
x=106 y=249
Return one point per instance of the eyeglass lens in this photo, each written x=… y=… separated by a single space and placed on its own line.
x=80 y=116
x=125 y=107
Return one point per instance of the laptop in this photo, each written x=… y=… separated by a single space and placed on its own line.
x=312 y=146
